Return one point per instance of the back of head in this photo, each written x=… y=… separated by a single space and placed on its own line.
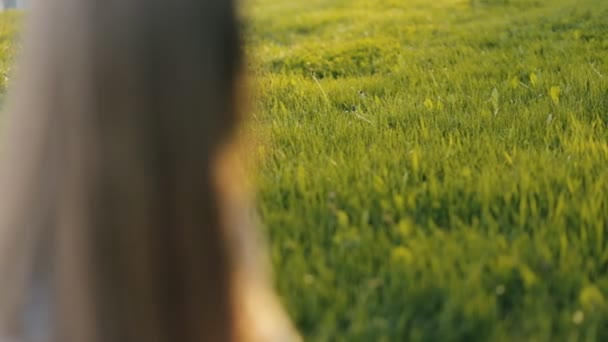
x=111 y=201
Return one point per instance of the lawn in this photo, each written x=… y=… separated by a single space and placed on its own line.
x=434 y=170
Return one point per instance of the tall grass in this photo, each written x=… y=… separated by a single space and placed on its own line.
x=435 y=170
x=10 y=24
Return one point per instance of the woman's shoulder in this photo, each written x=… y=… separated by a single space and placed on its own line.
x=262 y=318
x=261 y=314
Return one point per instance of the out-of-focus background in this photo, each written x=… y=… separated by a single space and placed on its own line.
x=430 y=170
x=13 y=4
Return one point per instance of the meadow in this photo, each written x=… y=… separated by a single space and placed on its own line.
x=434 y=170
x=430 y=170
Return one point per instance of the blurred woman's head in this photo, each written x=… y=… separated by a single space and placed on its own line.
x=112 y=222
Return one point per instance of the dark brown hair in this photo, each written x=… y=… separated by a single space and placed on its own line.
x=111 y=202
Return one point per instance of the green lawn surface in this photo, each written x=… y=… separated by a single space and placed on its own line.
x=434 y=170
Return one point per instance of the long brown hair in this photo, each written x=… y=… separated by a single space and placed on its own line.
x=111 y=204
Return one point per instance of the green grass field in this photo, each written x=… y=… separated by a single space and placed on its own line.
x=435 y=170
x=10 y=22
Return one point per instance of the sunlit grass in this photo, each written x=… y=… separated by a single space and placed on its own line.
x=10 y=22
x=435 y=170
